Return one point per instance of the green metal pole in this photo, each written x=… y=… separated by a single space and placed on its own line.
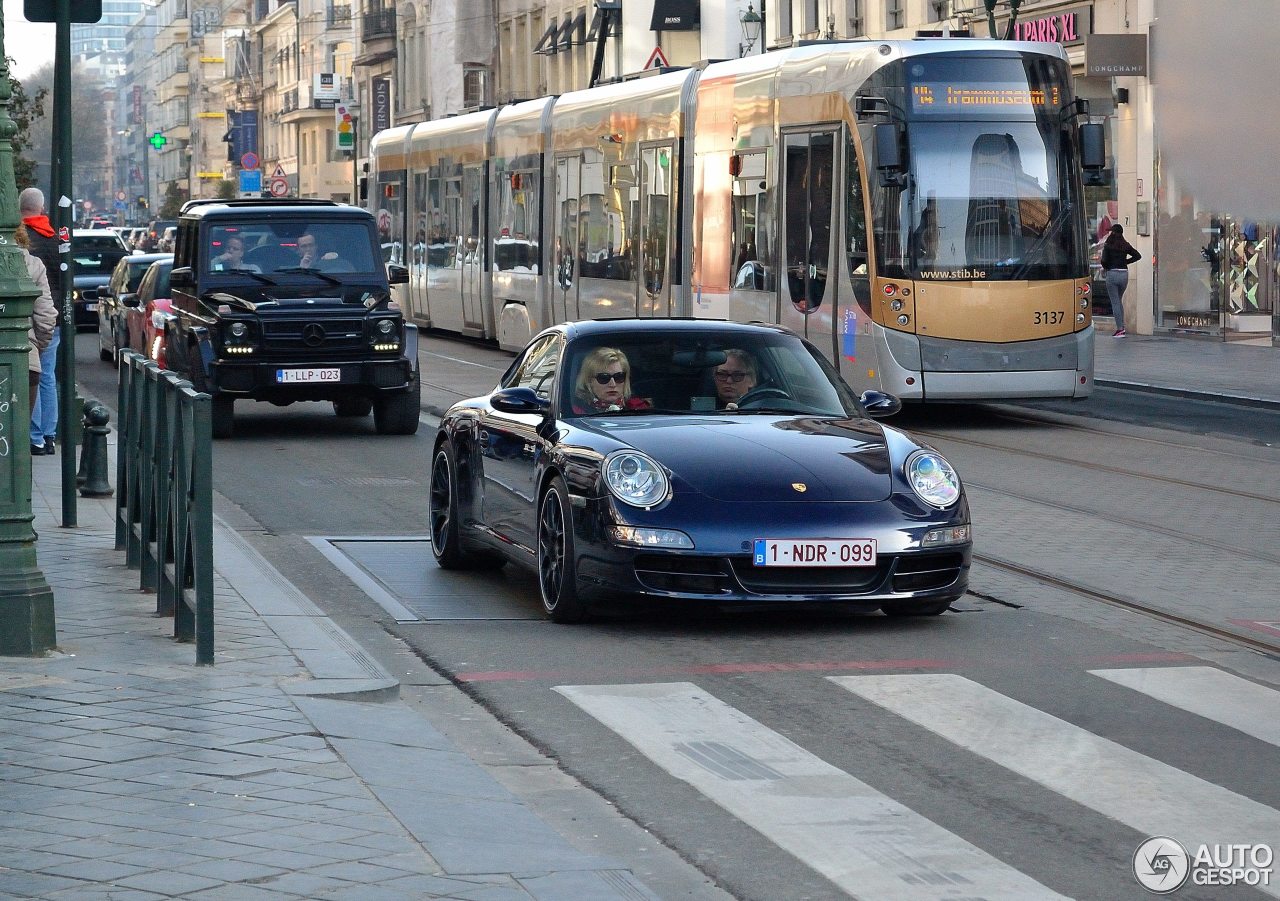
x=68 y=415
x=26 y=600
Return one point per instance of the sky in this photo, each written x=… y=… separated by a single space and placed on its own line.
x=28 y=44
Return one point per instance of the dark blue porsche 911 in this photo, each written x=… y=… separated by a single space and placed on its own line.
x=695 y=460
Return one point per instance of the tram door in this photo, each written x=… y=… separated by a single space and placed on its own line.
x=657 y=197
x=809 y=229
x=564 y=253
x=472 y=249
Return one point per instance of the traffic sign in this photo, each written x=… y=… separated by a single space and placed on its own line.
x=249 y=160
x=279 y=187
x=279 y=173
x=250 y=181
x=47 y=11
x=120 y=195
x=657 y=59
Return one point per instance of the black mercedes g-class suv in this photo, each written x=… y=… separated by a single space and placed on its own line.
x=288 y=300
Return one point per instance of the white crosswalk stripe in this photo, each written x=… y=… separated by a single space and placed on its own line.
x=863 y=841
x=1151 y=797
x=1208 y=692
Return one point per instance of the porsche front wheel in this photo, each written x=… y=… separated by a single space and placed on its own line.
x=557 y=570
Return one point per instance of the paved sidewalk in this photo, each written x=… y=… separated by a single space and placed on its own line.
x=127 y=772
x=1189 y=367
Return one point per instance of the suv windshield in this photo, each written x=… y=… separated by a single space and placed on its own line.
x=291 y=247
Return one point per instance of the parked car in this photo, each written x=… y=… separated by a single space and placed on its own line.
x=146 y=319
x=117 y=298
x=95 y=253
x=668 y=485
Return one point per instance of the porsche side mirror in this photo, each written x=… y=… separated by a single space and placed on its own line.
x=880 y=405
x=519 y=400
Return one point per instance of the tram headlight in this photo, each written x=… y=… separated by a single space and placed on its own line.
x=1079 y=318
x=896 y=305
x=903 y=319
x=1084 y=303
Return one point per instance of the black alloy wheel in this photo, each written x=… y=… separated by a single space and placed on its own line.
x=442 y=514
x=557 y=569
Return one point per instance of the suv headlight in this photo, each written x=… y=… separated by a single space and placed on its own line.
x=932 y=479
x=386 y=333
x=238 y=338
x=635 y=479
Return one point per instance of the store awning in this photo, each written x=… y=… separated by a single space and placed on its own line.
x=676 y=15
x=372 y=59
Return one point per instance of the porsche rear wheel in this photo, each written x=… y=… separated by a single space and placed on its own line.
x=557 y=570
x=446 y=538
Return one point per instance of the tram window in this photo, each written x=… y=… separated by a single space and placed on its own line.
x=753 y=251
x=453 y=214
x=439 y=247
x=655 y=173
x=856 y=229
x=422 y=219
x=472 y=203
x=515 y=246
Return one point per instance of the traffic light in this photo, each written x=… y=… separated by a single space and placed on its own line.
x=142 y=203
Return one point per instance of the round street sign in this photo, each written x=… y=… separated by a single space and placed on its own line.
x=279 y=187
x=249 y=160
x=119 y=195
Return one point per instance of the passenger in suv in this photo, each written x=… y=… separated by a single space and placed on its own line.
x=252 y=322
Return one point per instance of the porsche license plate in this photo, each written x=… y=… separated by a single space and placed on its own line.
x=328 y=374
x=815 y=552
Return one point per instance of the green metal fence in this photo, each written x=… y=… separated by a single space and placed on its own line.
x=164 y=495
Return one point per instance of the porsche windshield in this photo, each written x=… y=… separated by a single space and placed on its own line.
x=992 y=190
x=701 y=372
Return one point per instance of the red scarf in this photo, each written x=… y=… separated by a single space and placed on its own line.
x=40 y=225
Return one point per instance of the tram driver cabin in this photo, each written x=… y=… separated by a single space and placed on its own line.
x=915 y=209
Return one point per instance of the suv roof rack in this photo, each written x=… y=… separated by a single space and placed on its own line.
x=257 y=201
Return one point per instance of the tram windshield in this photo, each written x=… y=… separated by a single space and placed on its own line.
x=992 y=189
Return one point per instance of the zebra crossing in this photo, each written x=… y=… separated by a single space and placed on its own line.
x=872 y=846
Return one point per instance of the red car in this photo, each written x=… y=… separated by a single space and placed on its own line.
x=145 y=320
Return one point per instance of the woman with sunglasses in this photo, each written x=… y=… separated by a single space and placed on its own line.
x=604 y=384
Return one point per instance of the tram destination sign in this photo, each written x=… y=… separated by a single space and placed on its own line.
x=986 y=98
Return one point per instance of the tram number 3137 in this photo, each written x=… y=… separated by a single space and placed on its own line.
x=1049 y=317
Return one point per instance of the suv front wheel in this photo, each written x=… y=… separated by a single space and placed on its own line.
x=397 y=414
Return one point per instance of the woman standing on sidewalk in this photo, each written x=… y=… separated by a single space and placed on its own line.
x=44 y=315
x=1117 y=254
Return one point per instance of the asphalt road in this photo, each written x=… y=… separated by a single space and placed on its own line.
x=793 y=730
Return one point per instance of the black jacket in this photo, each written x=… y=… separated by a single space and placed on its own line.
x=44 y=246
x=1118 y=254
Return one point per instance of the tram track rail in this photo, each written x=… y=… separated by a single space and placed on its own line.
x=1258 y=644
x=1095 y=466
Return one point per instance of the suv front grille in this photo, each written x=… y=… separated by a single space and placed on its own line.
x=305 y=334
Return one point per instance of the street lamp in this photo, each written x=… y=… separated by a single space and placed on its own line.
x=751 y=24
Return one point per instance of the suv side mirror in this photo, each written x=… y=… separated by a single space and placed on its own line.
x=182 y=277
x=397 y=274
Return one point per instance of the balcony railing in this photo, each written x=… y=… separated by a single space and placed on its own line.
x=337 y=15
x=289 y=102
x=380 y=23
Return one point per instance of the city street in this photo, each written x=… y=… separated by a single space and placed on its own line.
x=1111 y=664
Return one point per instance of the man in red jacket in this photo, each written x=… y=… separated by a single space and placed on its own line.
x=45 y=247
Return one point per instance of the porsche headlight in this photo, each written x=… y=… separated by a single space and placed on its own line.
x=635 y=479
x=932 y=479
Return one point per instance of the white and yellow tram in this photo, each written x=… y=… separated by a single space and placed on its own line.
x=914 y=208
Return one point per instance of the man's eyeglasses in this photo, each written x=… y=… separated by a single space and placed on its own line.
x=725 y=375
x=604 y=378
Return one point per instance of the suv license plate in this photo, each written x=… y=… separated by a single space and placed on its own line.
x=333 y=374
x=811 y=552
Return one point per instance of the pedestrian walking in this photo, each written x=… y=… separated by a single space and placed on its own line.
x=44 y=247
x=1117 y=254
x=44 y=317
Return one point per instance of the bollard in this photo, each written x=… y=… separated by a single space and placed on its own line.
x=95 y=450
x=86 y=404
